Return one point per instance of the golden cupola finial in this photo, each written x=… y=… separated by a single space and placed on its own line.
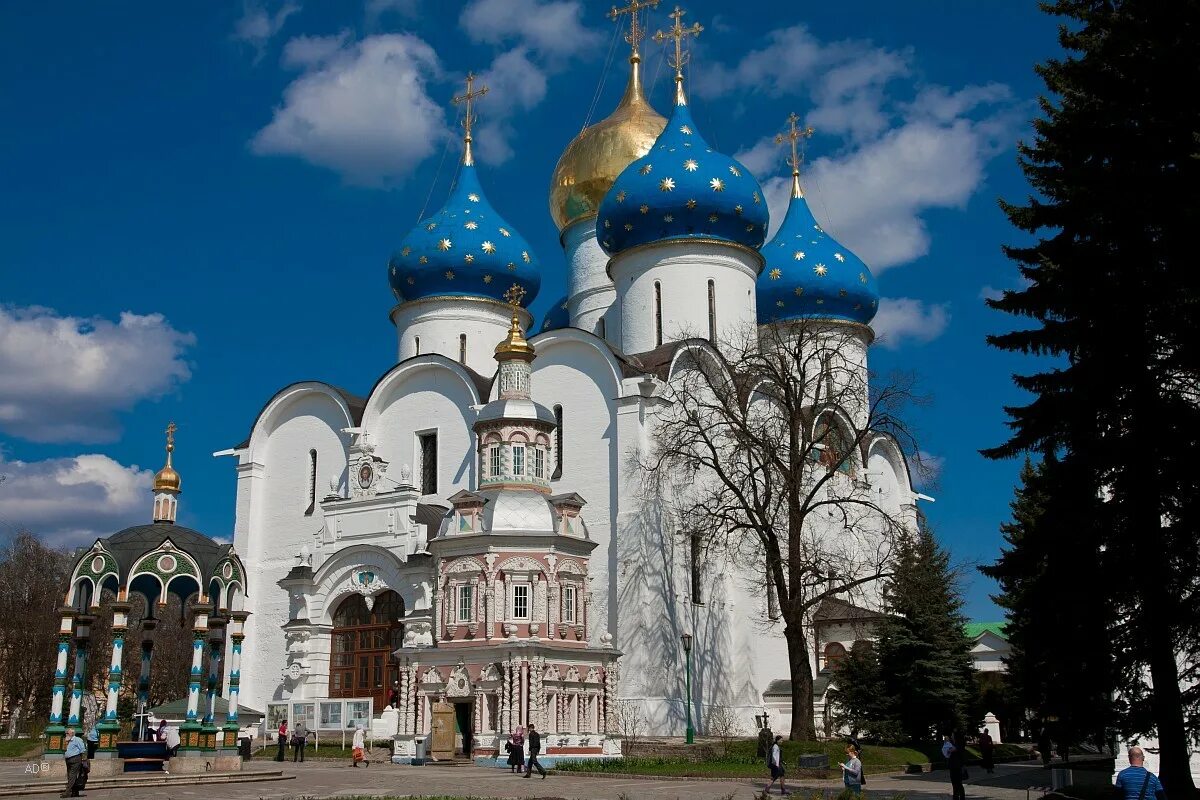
x=469 y=116
x=515 y=345
x=593 y=160
x=167 y=479
x=679 y=33
x=794 y=135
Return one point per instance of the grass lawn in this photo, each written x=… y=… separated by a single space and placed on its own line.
x=16 y=748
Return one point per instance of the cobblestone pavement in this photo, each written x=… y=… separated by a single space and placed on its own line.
x=331 y=779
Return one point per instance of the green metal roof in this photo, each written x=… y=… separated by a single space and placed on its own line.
x=976 y=629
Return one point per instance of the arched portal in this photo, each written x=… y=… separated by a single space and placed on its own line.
x=364 y=636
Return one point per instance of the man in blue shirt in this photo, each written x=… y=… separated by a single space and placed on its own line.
x=75 y=755
x=1135 y=782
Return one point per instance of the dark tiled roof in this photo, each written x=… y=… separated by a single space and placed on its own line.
x=130 y=543
x=430 y=514
x=832 y=609
x=782 y=687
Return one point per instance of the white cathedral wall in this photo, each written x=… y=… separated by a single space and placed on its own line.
x=437 y=325
x=276 y=526
x=590 y=292
x=682 y=270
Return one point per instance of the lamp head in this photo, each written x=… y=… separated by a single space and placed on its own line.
x=687 y=642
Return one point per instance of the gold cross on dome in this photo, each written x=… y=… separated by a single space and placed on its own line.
x=514 y=295
x=795 y=134
x=678 y=33
x=635 y=32
x=171 y=436
x=469 y=117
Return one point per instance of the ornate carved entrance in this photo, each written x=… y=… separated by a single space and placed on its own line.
x=365 y=632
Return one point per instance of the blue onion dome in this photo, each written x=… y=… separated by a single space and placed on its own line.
x=809 y=275
x=557 y=317
x=682 y=189
x=464 y=249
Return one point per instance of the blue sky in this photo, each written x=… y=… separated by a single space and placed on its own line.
x=200 y=199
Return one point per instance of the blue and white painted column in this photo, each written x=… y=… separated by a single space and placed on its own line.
x=237 y=635
x=216 y=645
x=189 y=731
x=110 y=727
x=83 y=625
x=55 y=731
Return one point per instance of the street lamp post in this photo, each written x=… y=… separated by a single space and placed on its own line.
x=687 y=651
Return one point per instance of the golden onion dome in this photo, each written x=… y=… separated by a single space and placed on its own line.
x=167 y=479
x=595 y=158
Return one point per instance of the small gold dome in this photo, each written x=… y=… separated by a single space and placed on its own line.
x=167 y=479
x=595 y=158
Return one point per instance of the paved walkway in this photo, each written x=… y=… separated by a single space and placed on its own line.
x=326 y=779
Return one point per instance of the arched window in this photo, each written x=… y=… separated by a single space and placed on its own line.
x=558 y=443
x=363 y=640
x=602 y=328
x=417 y=340
x=462 y=348
x=312 y=483
x=832 y=447
x=712 y=311
x=834 y=653
x=658 y=322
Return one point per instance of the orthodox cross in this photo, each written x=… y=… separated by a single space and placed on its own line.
x=468 y=118
x=171 y=436
x=635 y=33
x=514 y=295
x=795 y=134
x=678 y=33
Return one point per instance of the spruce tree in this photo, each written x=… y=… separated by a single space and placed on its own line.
x=924 y=654
x=858 y=698
x=1113 y=297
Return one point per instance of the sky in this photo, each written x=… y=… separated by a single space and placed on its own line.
x=199 y=200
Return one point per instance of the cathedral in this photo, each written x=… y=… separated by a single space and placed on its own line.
x=470 y=531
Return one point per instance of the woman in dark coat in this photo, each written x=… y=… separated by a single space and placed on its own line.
x=958 y=763
x=516 y=750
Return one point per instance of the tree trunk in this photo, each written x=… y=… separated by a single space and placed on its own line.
x=803 y=729
x=1167 y=703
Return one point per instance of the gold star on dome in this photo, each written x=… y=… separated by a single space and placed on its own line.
x=862 y=277
x=645 y=209
x=393 y=272
x=756 y=199
x=691 y=203
x=712 y=217
x=775 y=274
x=488 y=247
x=449 y=274
x=841 y=292
x=608 y=223
x=645 y=170
x=717 y=185
x=820 y=301
x=818 y=228
x=799 y=291
x=474 y=198
x=504 y=232
x=431 y=226
x=525 y=255
x=423 y=260
x=798 y=255
x=738 y=210
x=628 y=226
x=666 y=184
x=512 y=267
x=472 y=225
x=821 y=269
x=691 y=165
x=470 y=259
x=685 y=130
x=487 y=278
x=839 y=256
x=406 y=251
x=621 y=196
x=411 y=280
x=750 y=228
x=779 y=303
x=734 y=171
x=668 y=217
x=444 y=245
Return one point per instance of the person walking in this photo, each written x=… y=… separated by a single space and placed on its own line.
x=1135 y=782
x=775 y=763
x=359 y=752
x=1045 y=746
x=75 y=754
x=93 y=741
x=515 y=746
x=535 y=747
x=282 y=739
x=852 y=771
x=987 y=752
x=299 y=740
x=958 y=764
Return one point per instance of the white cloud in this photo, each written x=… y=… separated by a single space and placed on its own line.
x=928 y=469
x=360 y=109
x=72 y=501
x=990 y=293
x=66 y=378
x=303 y=52
x=904 y=319
x=522 y=85
x=257 y=26
x=553 y=28
x=377 y=8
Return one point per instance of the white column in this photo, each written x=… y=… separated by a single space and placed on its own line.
x=79 y=676
x=60 y=669
x=120 y=625
x=237 y=635
x=199 y=629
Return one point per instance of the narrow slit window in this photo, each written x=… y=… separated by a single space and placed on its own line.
x=697 y=569
x=312 y=483
x=712 y=311
x=417 y=340
x=428 y=447
x=462 y=348
x=558 y=442
x=602 y=329
x=658 y=322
